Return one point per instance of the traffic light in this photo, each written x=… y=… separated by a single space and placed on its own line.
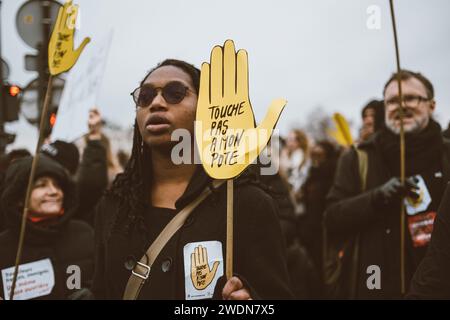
x=14 y=90
x=11 y=96
x=50 y=121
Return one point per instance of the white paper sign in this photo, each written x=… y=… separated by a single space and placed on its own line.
x=421 y=204
x=35 y=279
x=203 y=266
x=81 y=91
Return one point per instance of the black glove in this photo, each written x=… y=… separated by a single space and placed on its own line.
x=394 y=190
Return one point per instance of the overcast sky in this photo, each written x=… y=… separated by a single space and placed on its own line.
x=311 y=52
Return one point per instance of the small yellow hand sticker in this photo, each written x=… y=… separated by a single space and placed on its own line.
x=61 y=55
x=418 y=201
x=226 y=133
x=201 y=274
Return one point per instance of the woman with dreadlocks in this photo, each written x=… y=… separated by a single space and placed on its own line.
x=153 y=189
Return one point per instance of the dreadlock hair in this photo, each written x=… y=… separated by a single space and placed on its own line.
x=131 y=187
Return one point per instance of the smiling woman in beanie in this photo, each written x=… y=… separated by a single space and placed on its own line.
x=56 y=246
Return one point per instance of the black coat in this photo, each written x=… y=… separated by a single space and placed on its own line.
x=259 y=250
x=92 y=180
x=351 y=212
x=304 y=275
x=432 y=278
x=314 y=193
x=66 y=242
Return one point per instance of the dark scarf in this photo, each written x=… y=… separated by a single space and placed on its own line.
x=423 y=150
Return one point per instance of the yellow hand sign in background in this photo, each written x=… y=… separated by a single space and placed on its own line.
x=201 y=274
x=61 y=55
x=342 y=134
x=226 y=133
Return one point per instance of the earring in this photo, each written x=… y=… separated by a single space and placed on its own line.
x=142 y=147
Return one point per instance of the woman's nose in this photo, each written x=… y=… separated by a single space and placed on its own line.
x=52 y=189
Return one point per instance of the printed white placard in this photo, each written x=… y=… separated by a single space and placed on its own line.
x=35 y=279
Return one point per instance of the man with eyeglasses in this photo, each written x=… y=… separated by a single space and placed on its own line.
x=370 y=215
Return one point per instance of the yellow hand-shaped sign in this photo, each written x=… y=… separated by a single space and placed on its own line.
x=226 y=133
x=342 y=134
x=201 y=274
x=61 y=55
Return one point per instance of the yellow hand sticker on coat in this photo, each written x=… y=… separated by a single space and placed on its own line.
x=226 y=133
x=415 y=202
x=423 y=201
x=61 y=54
x=201 y=274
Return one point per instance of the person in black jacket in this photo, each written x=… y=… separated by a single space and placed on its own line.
x=55 y=244
x=432 y=278
x=92 y=175
x=96 y=137
x=304 y=276
x=153 y=189
x=374 y=214
x=324 y=156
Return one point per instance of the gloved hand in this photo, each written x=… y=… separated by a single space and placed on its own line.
x=394 y=190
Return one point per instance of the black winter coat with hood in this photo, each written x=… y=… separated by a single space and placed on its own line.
x=351 y=212
x=66 y=243
x=259 y=248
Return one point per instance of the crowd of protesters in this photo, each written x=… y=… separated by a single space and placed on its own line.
x=310 y=231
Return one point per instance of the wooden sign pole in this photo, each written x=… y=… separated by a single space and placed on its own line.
x=229 y=253
x=402 y=155
x=48 y=94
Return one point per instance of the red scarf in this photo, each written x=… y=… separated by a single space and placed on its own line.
x=37 y=217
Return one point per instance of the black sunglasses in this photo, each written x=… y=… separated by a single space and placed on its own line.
x=173 y=92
